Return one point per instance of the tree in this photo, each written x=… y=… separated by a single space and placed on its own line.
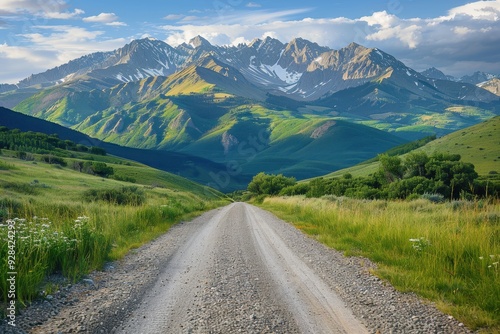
x=391 y=168
x=317 y=188
x=265 y=184
x=414 y=164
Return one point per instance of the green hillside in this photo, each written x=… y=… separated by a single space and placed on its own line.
x=75 y=209
x=478 y=144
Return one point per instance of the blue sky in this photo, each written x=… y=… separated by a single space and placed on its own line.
x=456 y=36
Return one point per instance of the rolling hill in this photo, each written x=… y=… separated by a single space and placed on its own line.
x=478 y=144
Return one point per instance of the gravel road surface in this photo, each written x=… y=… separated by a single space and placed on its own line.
x=237 y=269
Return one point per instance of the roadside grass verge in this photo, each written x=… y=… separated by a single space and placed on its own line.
x=71 y=223
x=448 y=253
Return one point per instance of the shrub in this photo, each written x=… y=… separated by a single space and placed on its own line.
x=122 y=196
x=298 y=189
x=434 y=198
x=53 y=160
x=97 y=168
x=124 y=178
x=19 y=187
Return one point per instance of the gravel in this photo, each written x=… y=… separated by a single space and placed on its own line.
x=234 y=269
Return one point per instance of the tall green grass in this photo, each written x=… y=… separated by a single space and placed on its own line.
x=73 y=239
x=448 y=253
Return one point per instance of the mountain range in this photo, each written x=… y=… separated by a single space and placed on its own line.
x=296 y=108
x=300 y=69
x=476 y=78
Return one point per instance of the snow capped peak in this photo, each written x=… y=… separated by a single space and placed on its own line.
x=199 y=41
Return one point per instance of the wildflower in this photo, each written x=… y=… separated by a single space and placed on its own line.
x=481 y=258
x=420 y=244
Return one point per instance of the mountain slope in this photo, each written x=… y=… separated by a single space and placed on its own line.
x=405 y=103
x=137 y=60
x=492 y=86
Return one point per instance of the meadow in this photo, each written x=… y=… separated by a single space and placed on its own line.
x=448 y=253
x=70 y=223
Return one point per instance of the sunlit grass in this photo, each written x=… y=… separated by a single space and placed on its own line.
x=448 y=253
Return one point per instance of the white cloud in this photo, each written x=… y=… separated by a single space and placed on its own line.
x=49 y=9
x=116 y=24
x=253 y=5
x=109 y=19
x=64 y=16
x=9 y=7
x=480 y=10
x=101 y=18
x=173 y=17
x=461 y=30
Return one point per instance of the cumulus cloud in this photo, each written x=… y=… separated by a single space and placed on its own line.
x=110 y=19
x=481 y=10
x=50 y=9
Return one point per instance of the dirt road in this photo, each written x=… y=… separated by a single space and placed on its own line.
x=236 y=273
x=237 y=269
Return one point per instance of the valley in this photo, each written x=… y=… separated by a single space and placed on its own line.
x=111 y=156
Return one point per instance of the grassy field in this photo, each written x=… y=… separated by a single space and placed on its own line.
x=448 y=253
x=71 y=223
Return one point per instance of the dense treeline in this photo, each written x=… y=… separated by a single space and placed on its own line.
x=437 y=177
x=40 y=143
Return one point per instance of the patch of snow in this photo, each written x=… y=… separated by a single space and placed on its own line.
x=139 y=75
x=319 y=59
x=416 y=83
x=379 y=53
x=281 y=73
x=408 y=73
x=154 y=72
x=121 y=78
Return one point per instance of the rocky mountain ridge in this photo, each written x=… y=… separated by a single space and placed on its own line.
x=300 y=70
